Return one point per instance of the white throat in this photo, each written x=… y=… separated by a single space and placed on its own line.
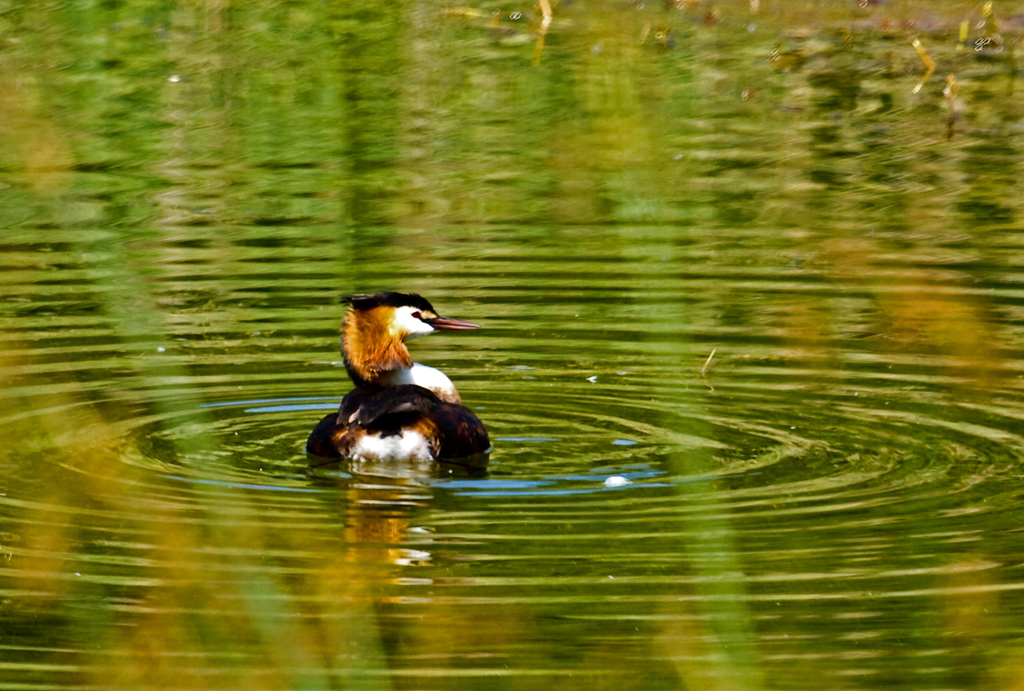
x=429 y=378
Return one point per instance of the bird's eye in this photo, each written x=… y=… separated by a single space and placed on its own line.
x=416 y=315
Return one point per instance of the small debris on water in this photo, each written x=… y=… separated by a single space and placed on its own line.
x=704 y=369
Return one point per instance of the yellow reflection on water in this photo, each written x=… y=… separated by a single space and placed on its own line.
x=43 y=152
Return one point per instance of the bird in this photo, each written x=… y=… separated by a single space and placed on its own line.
x=399 y=410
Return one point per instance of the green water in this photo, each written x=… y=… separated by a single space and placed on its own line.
x=735 y=258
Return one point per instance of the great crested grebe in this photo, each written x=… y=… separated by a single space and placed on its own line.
x=400 y=409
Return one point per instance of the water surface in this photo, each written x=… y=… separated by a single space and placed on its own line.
x=751 y=358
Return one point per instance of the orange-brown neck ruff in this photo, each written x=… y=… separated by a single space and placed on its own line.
x=370 y=348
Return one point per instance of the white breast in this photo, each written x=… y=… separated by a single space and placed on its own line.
x=429 y=378
x=407 y=446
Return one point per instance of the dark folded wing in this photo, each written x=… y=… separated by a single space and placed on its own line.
x=462 y=433
x=321 y=440
x=386 y=409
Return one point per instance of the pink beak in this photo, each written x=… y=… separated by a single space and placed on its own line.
x=448 y=324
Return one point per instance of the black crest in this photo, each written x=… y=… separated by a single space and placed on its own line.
x=388 y=299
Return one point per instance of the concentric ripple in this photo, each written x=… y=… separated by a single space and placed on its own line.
x=710 y=470
x=752 y=356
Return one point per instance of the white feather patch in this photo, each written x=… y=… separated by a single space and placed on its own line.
x=409 y=326
x=407 y=446
x=429 y=378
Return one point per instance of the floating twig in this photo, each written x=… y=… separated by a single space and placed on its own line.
x=545 y=22
x=463 y=12
x=990 y=20
x=704 y=369
x=928 y=62
x=949 y=92
x=646 y=31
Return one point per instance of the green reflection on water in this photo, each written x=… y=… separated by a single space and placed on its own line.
x=188 y=187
